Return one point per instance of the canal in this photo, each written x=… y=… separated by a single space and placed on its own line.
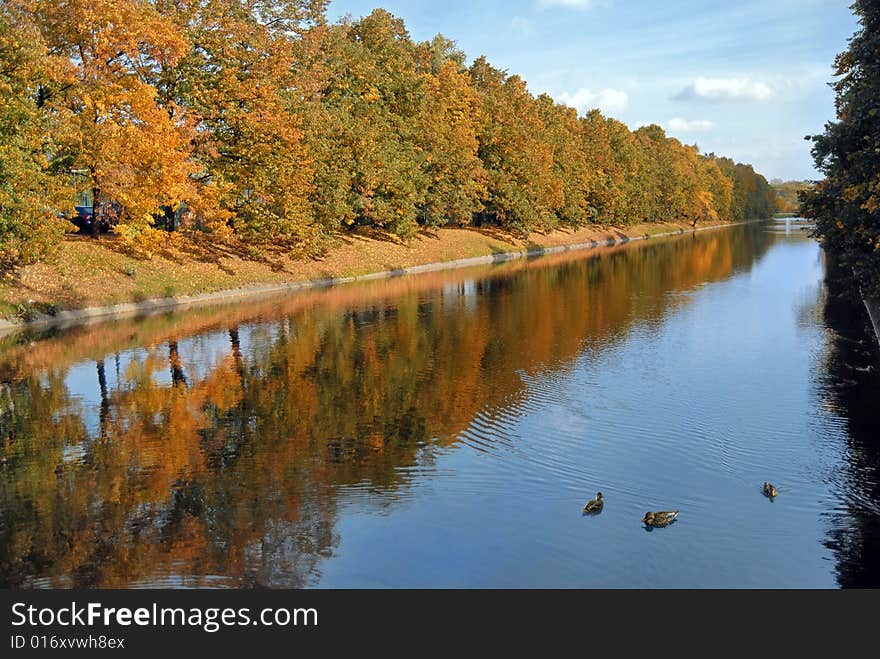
x=445 y=430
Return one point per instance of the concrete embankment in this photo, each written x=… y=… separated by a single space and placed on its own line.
x=90 y=314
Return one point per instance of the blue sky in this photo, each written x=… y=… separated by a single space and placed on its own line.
x=746 y=79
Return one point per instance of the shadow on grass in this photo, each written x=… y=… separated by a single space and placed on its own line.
x=204 y=249
x=62 y=297
x=494 y=232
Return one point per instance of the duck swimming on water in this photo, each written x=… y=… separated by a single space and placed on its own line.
x=594 y=505
x=770 y=490
x=663 y=518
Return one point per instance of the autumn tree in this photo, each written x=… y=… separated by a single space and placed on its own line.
x=715 y=191
x=605 y=180
x=846 y=204
x=135 y=148
x=660 y=180
x=365 y=132
x=31 y=193
x=631 y=182
x=238 y=83
x=752 y=195
x=257 y=121
x=788 y=194
x=522 y=193
x=447 y=134
x=563 y=133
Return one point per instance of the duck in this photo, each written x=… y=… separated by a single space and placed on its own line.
x=663 y=518
x=770 y=490
x=594 y=505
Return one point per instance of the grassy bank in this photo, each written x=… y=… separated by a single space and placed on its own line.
x=87 y=272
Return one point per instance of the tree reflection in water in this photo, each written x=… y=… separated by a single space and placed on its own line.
x=850 y=385
x=208 y=448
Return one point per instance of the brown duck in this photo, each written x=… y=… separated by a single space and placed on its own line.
x=594 y=505
x=663 y=518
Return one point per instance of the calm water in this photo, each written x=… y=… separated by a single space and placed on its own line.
x=446 y=430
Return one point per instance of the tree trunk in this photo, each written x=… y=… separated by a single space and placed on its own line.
x=96 y=212
x=177 y=375
x=236 y=354
x=105 y=398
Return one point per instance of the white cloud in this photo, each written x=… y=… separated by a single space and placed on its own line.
x=726 y=89
x=679 y=125
x=577 y=4
x=521 y=25
x=607 y=100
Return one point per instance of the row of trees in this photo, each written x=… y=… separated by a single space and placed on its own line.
x=846 y=205
x=258 y=119
x=788 y=194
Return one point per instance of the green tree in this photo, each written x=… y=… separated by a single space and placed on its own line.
x=447 y=134
x=603 y=188
x=562 y=131
x=258 y=119
x=522 y=192
x=30 y=192
x=365 y=132
x=238 y=83
x=846 y=205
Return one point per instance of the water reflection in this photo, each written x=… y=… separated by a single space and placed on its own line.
x=217 y=447
x=850 y=389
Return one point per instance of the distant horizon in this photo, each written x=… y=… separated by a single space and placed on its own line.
x=751 y=93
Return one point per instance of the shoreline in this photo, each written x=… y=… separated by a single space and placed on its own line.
x=78 y=316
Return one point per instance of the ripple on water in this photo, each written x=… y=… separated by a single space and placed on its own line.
x=419 y=438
